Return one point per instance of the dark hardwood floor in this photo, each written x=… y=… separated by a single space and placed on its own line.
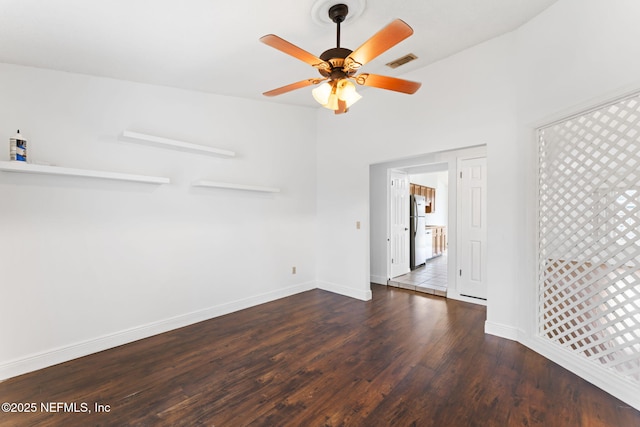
x=320 y=359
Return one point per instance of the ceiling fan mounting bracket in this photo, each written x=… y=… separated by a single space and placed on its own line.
x=320 y=11
x=338 y=13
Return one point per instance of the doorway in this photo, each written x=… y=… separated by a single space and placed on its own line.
x=380 y=214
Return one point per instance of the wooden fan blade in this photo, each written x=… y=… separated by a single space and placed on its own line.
x=293 y=86
x=380 y=42
x=293 y=50
x=389 y=83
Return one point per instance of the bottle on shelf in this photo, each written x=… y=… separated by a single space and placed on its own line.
x=18 y=148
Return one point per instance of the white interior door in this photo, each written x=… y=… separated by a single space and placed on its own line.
x=472 y=220
x=398 y=223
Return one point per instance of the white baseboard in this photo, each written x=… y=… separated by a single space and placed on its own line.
x=65 y=353
x=601 y=377
x=501 y=330
x=361 y=294
x=378 y=280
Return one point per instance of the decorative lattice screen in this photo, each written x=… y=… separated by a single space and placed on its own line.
x=589 y=236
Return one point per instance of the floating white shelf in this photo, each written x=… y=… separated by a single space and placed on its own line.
x=212 y=184
x=177 y=145
x=22 y=167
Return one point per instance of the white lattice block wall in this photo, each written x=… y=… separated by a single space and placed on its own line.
x=589 y=236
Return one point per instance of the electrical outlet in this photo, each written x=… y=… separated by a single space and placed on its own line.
x=293 y=270
x=357 y=225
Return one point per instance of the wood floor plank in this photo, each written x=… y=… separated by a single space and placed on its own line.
x=320 y=359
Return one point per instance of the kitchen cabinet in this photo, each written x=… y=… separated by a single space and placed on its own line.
x=438 y=239
x=431 y=200
x=428 y=193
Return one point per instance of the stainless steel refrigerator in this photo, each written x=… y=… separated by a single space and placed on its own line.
x=418 y=238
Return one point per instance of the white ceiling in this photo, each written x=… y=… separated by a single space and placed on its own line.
x=212 y=45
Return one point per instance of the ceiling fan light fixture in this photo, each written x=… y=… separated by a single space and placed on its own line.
x=332 y=104
x=330 y=93
x=347 y=92
x=322 y=93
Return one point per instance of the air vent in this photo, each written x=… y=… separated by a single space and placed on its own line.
x=401 y=61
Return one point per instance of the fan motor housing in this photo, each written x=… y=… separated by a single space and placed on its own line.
x=336 y=52
x=336 y=57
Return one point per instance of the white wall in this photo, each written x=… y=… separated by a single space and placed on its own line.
x=576 y=56
x=575 y=52
x=86 y=264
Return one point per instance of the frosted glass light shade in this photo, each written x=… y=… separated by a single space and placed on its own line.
x=347 y=92
x=328 y=94
x=332 y=103
x=321 y=93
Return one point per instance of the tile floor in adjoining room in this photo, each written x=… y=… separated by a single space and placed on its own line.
x=430 y=279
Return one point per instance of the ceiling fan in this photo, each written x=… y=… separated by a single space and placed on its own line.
x=338 y=65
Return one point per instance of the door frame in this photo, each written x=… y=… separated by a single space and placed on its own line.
x=379 y=211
